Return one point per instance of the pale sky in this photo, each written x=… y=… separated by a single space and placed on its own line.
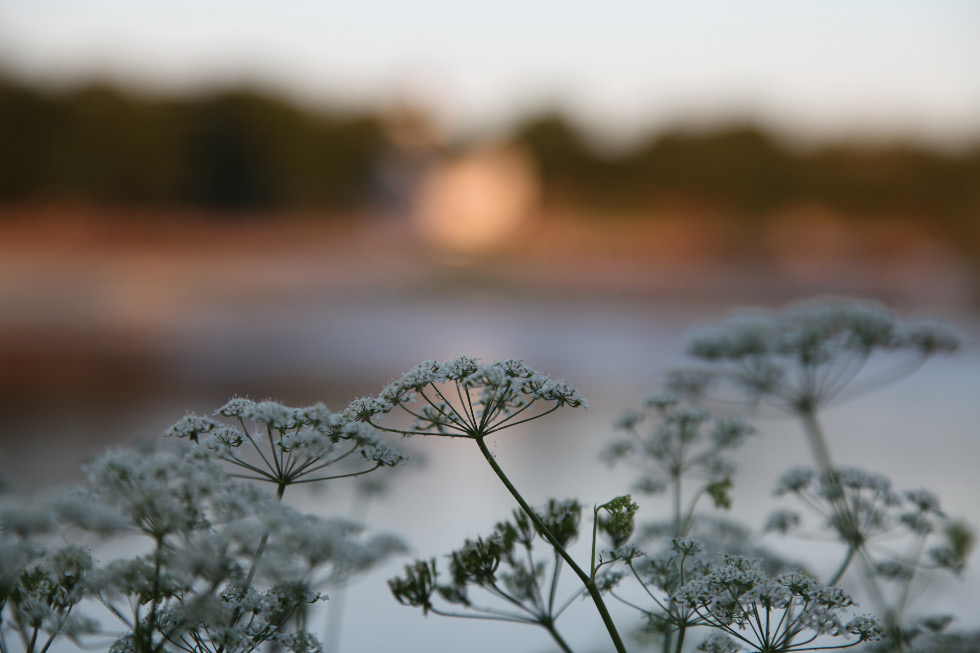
x=821 y=66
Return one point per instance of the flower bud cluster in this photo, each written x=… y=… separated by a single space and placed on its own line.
x=502 y=567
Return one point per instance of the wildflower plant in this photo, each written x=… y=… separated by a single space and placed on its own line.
x=288 y=446
x=223 y=566
x=888 y=531
x=506 y=568
x=469 y=399
x=801 y=360
x=680 y=442
x=804 y=358
x=672 y=446
x=42 y=584
x=788 y=613
x=660 y=576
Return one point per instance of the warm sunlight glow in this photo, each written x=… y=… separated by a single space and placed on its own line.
x=476 y=202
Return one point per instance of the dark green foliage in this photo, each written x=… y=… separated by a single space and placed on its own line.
x=232 y=150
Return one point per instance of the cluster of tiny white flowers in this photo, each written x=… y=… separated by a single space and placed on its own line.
x=796 y=479
x=465 y=398
x=304 y=440
x=41 y=586
x=739 y=598
x=783 y=521
x=626 y=552
x=192 y=427
x=718 y=643
x=682 y=560
x=807 y=354
x=677 y=443
x=866 y=627
x=160 y=494
x=858 y=505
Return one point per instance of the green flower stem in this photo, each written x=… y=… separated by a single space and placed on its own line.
x=685 y=525
x=677 y=504
x=587 y=580
x=822 y=453
x=157 y=564
x=555 y=636
x=335 y=614
x=595 y=537
x=255 y=561
x=818 y=444
x=680 y=638
x=843 y=568
x=915 y=559
x=262 y=544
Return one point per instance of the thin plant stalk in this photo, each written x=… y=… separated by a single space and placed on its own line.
x=814 y=434
x=586 y=579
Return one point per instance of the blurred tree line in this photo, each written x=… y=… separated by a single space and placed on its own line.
x=243 y=150
x=745 y=172
x=232 y=150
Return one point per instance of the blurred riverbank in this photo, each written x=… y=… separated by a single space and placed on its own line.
x=108 y=311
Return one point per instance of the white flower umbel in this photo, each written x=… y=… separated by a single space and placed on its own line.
x=679 y=442
x=300 y=443
x=803 y=359
x=806 y=356
x=788 y=613
x=229 y=565
x=284 y=446
x=887 y=531
x=42 y=584
x=466 y=398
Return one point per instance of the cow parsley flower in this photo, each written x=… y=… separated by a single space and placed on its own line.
x=859 y=506
x=718 y=643
x=277 y=444
x=806 y=355
x=786 y=613
x=669 y=443
x=466 y=398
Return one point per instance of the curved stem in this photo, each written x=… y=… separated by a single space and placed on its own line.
x=589 y=583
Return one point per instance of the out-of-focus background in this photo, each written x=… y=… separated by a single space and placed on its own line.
x=302 y=200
